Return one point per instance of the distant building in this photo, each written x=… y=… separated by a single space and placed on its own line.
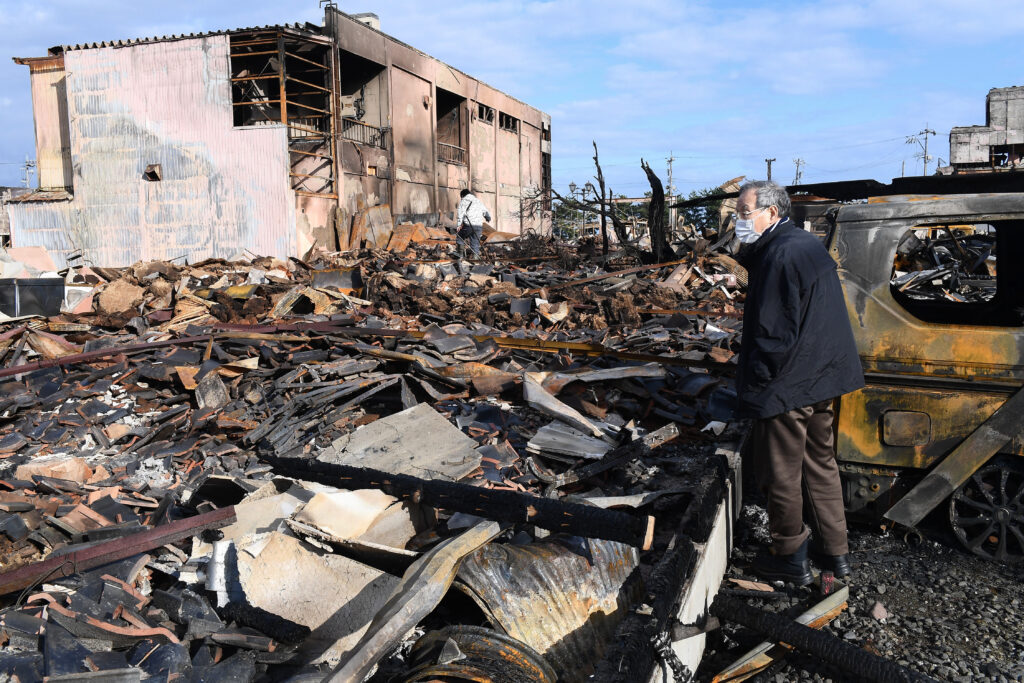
x=266 y=140
x=999 y=144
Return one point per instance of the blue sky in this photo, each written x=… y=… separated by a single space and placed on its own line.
x=723 y=85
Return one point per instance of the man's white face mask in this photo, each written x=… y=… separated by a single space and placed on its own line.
x=745 y=228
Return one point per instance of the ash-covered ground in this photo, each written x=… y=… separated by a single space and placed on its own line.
x=927 y=605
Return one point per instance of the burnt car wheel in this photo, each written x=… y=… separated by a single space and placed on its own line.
x=987 y=512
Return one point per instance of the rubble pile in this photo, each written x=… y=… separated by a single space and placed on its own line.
x=235 y=469
x=951 y=265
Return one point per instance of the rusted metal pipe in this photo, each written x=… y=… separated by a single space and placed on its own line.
x=98 y=355
x=111 y=551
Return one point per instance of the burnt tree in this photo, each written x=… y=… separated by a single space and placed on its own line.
x=660 y=247
x=604 y=204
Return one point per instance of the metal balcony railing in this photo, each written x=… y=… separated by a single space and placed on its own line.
x=451 y=154
x=363 y=133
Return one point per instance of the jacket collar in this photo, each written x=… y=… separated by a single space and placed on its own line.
x=752 y=251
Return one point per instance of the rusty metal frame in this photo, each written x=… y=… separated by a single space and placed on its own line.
x=110 y=551
x=99 y=355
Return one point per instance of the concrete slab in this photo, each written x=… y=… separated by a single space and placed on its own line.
x=333 y=595
x=416 y=441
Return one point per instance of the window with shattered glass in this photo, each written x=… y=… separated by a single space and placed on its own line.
x=948 y=273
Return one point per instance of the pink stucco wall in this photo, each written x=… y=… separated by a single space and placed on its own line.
x=224 y=189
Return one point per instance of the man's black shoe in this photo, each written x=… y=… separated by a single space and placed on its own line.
x=839 y=565
x=793 y=568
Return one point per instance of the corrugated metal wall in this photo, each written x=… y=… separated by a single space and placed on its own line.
x=168 y=103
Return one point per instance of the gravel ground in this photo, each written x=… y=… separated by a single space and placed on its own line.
x=944 y=613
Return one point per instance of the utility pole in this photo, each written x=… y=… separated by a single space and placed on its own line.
x=923 y=155
x=583 y=222
x=671 y=195
x=926 y=132
x=769 y=162
x=29 y=169
x=903 y=168
x=575 y=206
x=799 y=163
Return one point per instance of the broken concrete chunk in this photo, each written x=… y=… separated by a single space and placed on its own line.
x=334 y=596
x=554 y=313
x=416 y=441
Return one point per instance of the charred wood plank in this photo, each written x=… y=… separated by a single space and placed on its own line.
x=614 y=458
x=503 y=506
x=864 y=665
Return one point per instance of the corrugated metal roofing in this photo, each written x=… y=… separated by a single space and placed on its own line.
x=306 y=28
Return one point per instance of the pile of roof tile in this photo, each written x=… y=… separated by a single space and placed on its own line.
x=168 y=506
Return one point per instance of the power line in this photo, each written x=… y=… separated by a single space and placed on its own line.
x=722 y=157
x=872 y=164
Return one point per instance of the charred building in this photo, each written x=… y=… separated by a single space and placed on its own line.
x=267 y=140
x=999 y=144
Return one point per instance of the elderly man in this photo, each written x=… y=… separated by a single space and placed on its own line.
x=470 y=221
x=797 y=356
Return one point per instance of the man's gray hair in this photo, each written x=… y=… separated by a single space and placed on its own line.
x=769 y=194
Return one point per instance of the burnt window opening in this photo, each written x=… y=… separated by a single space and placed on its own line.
x=507 y=122
x=255 y=80
x=264 y=63
x=279 y=77
x=450 y=144
x=948 y=274
x=484 y=113
x=153 y=173
x=362 y=100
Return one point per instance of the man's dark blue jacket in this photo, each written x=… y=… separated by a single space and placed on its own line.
x=797 y=345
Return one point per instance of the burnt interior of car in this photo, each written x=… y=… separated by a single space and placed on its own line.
x=947 y=273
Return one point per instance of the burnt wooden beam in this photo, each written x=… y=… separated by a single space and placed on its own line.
x=503 y=506
x=861 y=664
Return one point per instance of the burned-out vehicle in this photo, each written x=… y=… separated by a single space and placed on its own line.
x=939 y=328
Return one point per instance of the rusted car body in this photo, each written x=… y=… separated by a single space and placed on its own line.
x=936 y=371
